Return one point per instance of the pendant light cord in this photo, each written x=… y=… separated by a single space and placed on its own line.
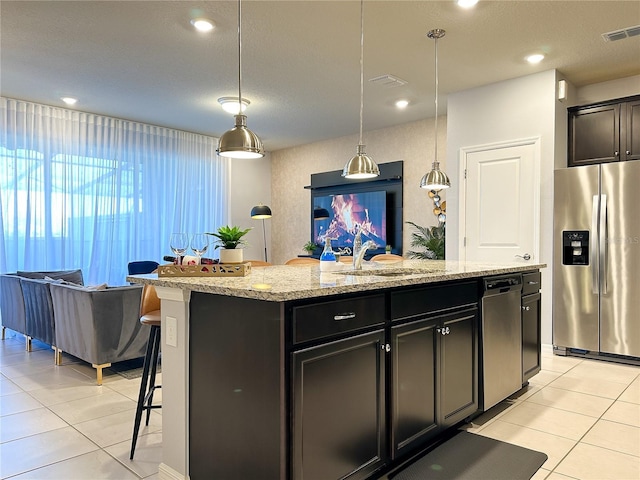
x=361 y=65
x=436 y=122
x=239 y=57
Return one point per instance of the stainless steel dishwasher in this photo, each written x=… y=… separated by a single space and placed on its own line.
x=501 y=335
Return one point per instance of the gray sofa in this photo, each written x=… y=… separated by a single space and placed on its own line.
x=25 y=303
x=98 y=326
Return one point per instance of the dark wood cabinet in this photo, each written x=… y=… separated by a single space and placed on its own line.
x=413 y=399
x=531 y=333
x=434 y=380
x=339 y=411
x=434 y=362
x=605 y=132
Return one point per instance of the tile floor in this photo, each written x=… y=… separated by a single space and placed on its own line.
x=584 y=414
x=55 y=423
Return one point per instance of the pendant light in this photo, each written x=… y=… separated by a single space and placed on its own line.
x=361 y=165
x=240 y=142
x=436 y=179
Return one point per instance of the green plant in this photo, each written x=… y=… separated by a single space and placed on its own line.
x=431 y=239
x=309 y=247
x=229 y=237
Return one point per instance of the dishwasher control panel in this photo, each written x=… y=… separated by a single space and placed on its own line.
x=508 y=282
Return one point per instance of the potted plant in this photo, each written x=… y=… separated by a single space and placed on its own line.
x=230 y=242
x=431 y=239
x=309 y=247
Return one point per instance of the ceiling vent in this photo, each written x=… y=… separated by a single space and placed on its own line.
x=621 y=34
x=388 y=81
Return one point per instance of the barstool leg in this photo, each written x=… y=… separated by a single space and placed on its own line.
x=143 y=387
x=154 y=367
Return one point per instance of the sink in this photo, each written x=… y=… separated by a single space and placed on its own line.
x=386 y=272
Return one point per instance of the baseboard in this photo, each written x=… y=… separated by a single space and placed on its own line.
x=165 y=472
x=547 y=349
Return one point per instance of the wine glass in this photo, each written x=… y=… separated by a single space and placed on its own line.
x=179 y=243
x=199 y=245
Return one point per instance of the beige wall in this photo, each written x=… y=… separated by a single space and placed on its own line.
x=291 y=169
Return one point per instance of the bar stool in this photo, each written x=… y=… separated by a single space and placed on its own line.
x=149 y=315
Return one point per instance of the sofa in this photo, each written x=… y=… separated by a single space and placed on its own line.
x=98 y=325
x=25 y=303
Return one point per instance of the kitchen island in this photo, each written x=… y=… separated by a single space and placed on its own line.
x=293 y=373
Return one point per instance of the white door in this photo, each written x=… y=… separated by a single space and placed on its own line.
x=501 y=202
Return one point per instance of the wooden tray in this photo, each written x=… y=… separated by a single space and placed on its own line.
x=214 y=270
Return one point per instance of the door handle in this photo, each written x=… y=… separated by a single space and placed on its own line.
x=526 y=256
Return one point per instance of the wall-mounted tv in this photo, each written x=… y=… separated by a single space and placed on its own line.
x=349 y=212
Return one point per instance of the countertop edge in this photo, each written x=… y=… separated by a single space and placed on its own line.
x=326 y=284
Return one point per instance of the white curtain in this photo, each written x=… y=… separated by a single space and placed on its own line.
x=79 y=190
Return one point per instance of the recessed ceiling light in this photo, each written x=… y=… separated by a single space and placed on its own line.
x=402 y=103
x=535 y=58
x=230 y=104
x=202 y=24
x=69 y=100
x=467 y=3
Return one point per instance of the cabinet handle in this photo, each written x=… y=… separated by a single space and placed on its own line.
x=616 y=154
x=628 y=152
x=534 y=283
x=344 y=316
x=385 y=347
x=443 y=331
x=527 y=308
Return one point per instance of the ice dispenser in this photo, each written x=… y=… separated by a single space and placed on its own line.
x=575 y=247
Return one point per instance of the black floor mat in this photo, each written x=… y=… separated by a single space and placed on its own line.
x=467 y=456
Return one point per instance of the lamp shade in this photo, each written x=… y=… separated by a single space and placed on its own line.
x=260 y=212
x=320 y=213
x=240 y=142
x=436 y=179
x=360 y=166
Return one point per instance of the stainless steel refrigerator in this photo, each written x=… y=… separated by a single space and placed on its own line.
x=596 y=260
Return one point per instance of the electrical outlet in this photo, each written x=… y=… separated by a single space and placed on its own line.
x=171 y=331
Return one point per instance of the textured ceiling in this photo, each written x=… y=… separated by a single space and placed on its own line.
x=141 y=60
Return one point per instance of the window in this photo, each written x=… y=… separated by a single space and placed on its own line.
x=85 y=191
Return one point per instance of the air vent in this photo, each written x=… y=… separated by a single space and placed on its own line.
x=621 y=34
x=388 y=81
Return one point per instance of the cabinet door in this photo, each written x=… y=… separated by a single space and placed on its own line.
x=531 y=340
x=594 y=135
x=459 y=370
x=413 y=384
x=338 y=403
x=631 y=149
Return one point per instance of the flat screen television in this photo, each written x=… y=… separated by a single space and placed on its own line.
x=347 y=213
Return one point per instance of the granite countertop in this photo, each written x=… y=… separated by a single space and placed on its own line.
x=280 y=283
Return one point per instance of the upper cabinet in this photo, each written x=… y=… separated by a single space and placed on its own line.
x=606 y=132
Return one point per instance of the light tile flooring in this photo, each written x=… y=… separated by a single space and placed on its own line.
x=584 y=414
x=55 y=423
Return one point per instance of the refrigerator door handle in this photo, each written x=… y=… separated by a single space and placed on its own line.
x=593 y=254
x=602 y=243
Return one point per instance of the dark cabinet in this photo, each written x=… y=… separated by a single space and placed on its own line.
x=607 y=132
x=338 y=403
x=434 y=380
x=434 y=363
x=531 y=334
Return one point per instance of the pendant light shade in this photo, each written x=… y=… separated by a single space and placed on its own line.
x=361 y=165
x=436 y=179
x=240 y=142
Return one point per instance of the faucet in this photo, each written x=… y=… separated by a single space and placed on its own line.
x=359 y=249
